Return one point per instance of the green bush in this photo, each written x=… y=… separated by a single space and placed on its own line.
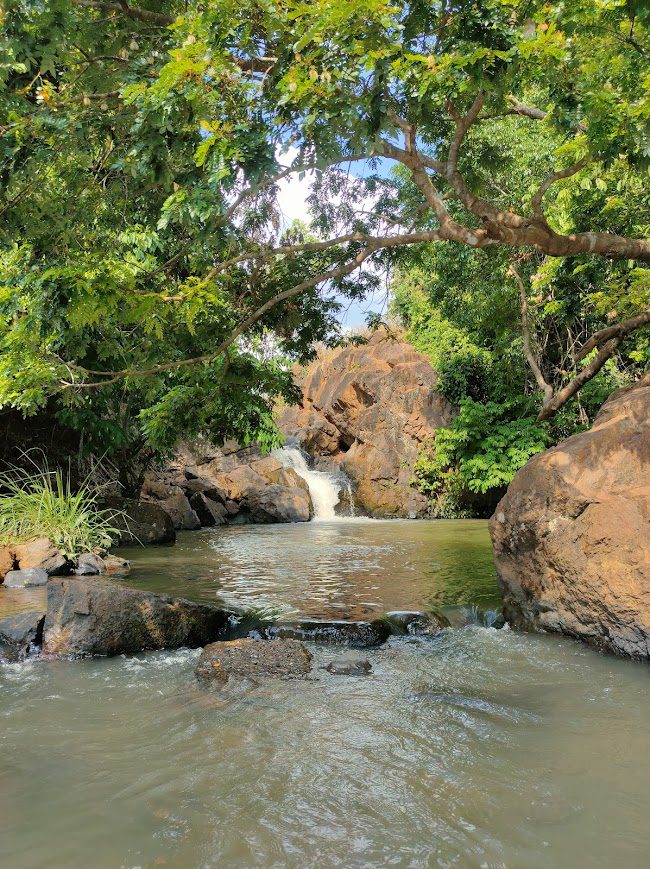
x=43 y=504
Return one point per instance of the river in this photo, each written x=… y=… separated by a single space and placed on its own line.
x=478 y=747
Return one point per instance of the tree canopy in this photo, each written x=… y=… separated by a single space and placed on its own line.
x=144 y=259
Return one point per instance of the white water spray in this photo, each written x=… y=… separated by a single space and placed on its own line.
x=325 y=488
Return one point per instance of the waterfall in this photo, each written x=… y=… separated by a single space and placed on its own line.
x=325 y=488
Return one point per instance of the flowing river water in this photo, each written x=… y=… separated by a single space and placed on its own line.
x=477 y=747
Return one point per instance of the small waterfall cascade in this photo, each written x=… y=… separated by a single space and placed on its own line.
x=326 y=489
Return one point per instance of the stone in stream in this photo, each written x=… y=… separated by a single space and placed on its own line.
x=358 y=635
x=20 y=633
x=96 y=616
x=348 y=665
x=251 y=658
x=89 y=564
x=27 y=578
x=417 y=623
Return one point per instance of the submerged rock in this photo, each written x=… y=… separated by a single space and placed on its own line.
x=347 y=665
x=102 y=617
x=25 y=578
x=416 y=623
x=571 y=536
x=20 y=633
x=251 y=658
x=354 y=634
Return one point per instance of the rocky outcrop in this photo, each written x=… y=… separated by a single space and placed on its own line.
x=251 y=658
x=206 y=486
x=102 y=617
x=369 y=408
x=572 y=535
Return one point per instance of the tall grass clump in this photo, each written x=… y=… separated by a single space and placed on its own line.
x=42 y=503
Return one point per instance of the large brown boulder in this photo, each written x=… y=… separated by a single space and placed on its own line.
x=572 y=535
x=102 y=617
x=369 y=408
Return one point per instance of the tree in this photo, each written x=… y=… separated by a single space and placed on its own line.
x=142 y=148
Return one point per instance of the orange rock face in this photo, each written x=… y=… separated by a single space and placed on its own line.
x=572 y=535
x=369 y=408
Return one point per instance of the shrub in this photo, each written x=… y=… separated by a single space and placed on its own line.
x=43 y=504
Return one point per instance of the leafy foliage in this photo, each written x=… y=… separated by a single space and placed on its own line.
x=144 y=261
x=43 y=504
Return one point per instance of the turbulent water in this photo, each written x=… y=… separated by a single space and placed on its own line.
x=474 y=748
x=330 y=492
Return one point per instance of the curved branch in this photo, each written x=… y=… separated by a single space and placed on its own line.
x=552 y=177
x=619 y=330
x=588 y=372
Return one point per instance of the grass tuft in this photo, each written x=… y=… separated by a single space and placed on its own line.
x=42 y=503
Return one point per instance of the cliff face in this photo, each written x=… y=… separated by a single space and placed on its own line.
x=367 y=409
x=572 y=535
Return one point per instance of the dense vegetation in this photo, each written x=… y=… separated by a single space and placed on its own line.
x=149 y=287
x=502 y=328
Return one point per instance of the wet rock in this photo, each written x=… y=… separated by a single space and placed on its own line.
x=210 y=512
x=181 y=513
x=414 y=623
x=275 y=503
x=358 y=635
x=251 y=658
x=25 y=578
x=89 y=564
x=571 y=536
x=346 y=665
x=41 y=554
x=143 y=522
x=116 y=566
x=21 y=633
x=97 y=616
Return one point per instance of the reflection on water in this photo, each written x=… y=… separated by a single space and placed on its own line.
x=343 y=569
x=473 y=748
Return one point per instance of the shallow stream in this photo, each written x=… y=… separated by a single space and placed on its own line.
x=478 y=747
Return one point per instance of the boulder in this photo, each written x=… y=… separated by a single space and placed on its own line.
x=347 y=665
x=209 y=512
x=181 y=513
x=96 y=616
x=571 y=536
x=275 y=503
x=20 y=633
x=89 y=564
x=116 y=566
x=41 y=554
x=354 y=634
x=251 y=658
x=141 y=522
x=370 y=408
x=27 y=578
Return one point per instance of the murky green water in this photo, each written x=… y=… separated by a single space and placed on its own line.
x=474 y=748
x=345 y=569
